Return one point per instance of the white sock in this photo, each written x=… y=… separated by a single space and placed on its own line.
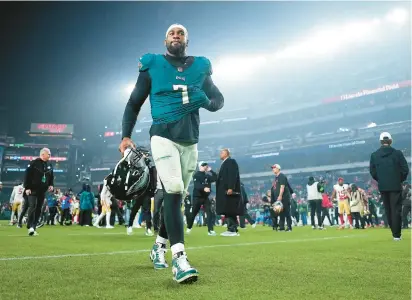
x=108 y=218
x=176 y=248
x=160 y=240
x=99 y=218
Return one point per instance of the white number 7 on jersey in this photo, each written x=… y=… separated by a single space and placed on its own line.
x=185 y=94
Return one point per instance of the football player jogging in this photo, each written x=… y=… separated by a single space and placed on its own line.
x=106 y=202
x=16 y=200
x=340 y=192
x=178 y=86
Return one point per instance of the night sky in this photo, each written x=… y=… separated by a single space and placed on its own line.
x=69 y=62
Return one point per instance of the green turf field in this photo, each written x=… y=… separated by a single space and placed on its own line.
x=90 y=263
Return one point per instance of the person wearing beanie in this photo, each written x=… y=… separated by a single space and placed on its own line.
x=389 y=168
x=178 y=86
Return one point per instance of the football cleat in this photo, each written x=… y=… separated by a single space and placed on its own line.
x=182 y=271
x=157 y=256
x=129 y=230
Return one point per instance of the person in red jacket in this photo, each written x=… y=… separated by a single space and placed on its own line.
x=326 y=205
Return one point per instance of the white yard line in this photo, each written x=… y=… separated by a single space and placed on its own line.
x=75 y=234
x=104 y=233
x=189 y=248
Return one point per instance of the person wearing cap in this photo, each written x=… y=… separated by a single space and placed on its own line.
x=38 y=179
x=389 y=168
x=281 y=191
x=228 y=197
x=178 y=86
x=202 y=184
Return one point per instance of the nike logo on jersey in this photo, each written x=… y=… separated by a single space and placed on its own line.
x=180 y=78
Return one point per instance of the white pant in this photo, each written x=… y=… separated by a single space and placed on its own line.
x=175 y=163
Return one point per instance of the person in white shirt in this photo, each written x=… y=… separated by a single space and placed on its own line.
x=314 y=193
x=341 y=193
x=16 y=201
x=106 y=202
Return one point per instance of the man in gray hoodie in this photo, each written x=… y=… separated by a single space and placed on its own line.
x=389 y=168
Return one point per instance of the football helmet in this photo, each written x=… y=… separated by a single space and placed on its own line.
x=130 y=178
x=277 y=207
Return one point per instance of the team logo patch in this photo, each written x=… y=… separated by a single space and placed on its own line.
x=180 y=69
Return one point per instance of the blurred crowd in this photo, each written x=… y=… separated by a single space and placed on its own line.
x=67 y=208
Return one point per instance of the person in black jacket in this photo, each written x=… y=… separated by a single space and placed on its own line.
x=38 y=179
x=267 y=209
x=281 y=191
x=202 y=184
x=389 y=168
x=228 y=198
x=246 y=215
x=102 y=222
x=406 y=203
x=187 y=202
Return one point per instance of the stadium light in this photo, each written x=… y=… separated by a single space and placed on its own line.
x=129 y=89
x=398 y=16
x=318 y=42
x=238 y=68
